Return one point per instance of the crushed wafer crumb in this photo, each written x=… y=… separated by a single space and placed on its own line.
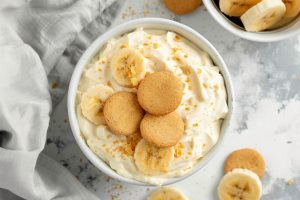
x=54 y=84
x=103 y=61
x=175 y=49
x=124 y=15
x=176 y=59
x=216 y=87
x=142 y=51
x=187 y=80
x=186 y=70
x=127 y=148
x=290 y=181
x=117 y=186
x=133 y=13
x=177 y=38
x=123 y=46
x=146 y=13
x=178 y=150
x=199 y=71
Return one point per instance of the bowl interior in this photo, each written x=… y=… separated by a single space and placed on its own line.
x=281 y=33
x=149 y=23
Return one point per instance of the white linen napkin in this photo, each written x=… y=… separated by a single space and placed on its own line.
x=34 y=36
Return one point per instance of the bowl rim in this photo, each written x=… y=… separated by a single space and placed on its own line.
x=125 y=28
x=281 y=33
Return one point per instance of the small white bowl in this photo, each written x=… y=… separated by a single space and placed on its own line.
x=284 y=32
x=153 y=23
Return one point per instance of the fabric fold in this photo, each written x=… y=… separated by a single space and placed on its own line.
x=33 y=37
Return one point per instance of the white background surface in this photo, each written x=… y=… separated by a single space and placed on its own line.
x=266 y=78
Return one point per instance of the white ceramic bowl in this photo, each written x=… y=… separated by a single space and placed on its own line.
x=153 y=23
x=284 y=32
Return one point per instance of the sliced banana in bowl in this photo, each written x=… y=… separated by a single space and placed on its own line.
x=236 y=8
x=128 y=67
x=92 y=103
x=257 y=20
x=151 y=160
x=292 y=11
x=263 y=15
x=292 y=8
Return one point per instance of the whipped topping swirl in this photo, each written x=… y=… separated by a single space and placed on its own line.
x=203 y=106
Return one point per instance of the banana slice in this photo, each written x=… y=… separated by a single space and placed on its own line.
x=263 y=15
x=92 y=103
x=167 y=193
x=240 y=184
x=292 y=8
x=282 y=22
x=151 y=160
x=236 y=8
x=128 y=67
x=292 y=11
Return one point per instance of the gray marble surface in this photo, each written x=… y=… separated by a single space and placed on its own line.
x=266 y=78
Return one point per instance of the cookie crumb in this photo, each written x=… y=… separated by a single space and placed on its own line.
x=176 y=59
x=177 y=38
x=199 y=71
x=54 y=84
x=188 y=80
x=155 y=45
x=290 y=182
x=117 y=186
x=186 y=70
x=146 y=13
x=178 y=150
x=122 y=46
x=124 y=15
x=216 y=87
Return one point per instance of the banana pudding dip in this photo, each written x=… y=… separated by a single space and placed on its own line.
x=151 y=105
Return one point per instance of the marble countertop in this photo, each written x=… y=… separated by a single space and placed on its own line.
x=266 y=78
